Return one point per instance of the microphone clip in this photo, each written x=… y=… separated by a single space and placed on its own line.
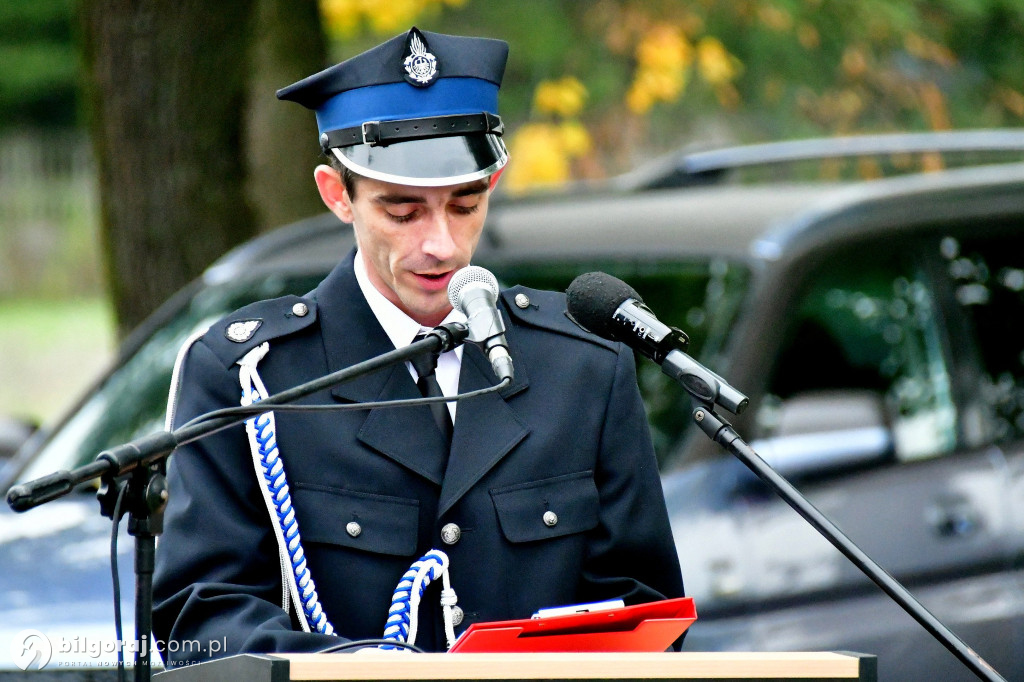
x=451 y=334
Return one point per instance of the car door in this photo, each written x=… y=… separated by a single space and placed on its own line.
x=983 y=267
x=863 y=410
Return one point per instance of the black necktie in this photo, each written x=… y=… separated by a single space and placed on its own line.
x=427 y=383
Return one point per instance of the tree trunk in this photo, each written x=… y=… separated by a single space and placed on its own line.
x=167 y=83
x=280 y=137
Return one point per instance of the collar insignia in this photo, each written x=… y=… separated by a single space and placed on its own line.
x=420 y=65
x=240 y=332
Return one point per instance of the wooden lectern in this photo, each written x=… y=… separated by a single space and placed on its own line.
x=398 y=666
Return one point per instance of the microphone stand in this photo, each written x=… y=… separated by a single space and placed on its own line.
x=143 y=462
x=721 y=432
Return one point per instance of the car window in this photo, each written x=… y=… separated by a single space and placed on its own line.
x=863 y=363
x=131 y=402
x=988 y=280
x=701 y=297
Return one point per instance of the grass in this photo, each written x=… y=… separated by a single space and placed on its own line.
x=50 y=351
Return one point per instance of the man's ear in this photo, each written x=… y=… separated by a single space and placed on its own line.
x=332 y=191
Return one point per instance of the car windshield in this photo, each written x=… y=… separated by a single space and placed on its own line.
x=701 y=296
x=131 y=402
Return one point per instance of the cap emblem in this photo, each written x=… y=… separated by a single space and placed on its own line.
x=420 y=65
x=240 y=332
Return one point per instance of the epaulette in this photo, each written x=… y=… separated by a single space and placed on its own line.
x=248 y=327
x=547 y=310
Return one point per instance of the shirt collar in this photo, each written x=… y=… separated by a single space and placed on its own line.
x=399 y=327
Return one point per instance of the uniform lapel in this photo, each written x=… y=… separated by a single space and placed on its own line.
x=486 y=428
x=352 y=334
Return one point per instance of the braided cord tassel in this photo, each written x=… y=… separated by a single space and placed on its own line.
x=266 y=457
x=403 y=616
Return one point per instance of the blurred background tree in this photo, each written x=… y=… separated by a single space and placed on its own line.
x=194 y=154
x=192 y=159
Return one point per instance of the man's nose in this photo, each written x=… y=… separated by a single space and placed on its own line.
x=437 y=241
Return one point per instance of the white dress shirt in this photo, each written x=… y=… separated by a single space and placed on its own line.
x=402 y=330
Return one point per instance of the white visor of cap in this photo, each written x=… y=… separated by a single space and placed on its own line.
x=430 y=162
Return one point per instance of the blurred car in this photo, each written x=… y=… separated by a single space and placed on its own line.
x=871 y=323
x=14 y=431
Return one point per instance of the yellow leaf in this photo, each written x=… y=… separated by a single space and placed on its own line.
x=663 y=85
x=808 y=36
x=923 y=48
x=537 y=157
x=855 y=62
x=638 y=99
x=716 y=65
x=868 y=168
x=664 y=47
x=728 y=96
x=575 y=139
x=935 y=108
x=340 y=17
x=565 y=97
x=775 y=18
x=1012 y=100
x=931 y=162
x=393 y=16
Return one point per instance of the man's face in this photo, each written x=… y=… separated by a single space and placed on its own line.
x=413 y=239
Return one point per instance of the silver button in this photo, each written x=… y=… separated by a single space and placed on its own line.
x=451 y=533
x=353 y=529
x=523 y=301
x=457 y=616
x=300 y=309
x=550 y=519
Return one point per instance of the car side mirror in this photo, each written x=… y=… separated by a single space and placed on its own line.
x=818 y=433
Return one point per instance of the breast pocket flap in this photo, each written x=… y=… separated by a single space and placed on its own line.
x=382 y=524
x=548 y=508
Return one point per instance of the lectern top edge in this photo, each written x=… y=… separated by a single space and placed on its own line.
x=614 y=667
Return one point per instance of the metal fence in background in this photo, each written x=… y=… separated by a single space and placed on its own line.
x=49 y=216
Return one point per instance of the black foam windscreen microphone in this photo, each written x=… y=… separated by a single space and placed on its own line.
x=614 y=310
x=474 y=291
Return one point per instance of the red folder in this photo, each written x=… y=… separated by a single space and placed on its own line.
x=643 y=627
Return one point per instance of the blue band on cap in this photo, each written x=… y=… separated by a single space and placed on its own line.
x=394 y=101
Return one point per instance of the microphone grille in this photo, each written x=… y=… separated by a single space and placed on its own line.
x=593 y=298
x=471 y=274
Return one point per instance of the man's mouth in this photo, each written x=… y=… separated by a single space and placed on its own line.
x=434 y=280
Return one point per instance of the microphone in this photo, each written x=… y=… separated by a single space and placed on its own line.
x=474 y=291
x=612 y=309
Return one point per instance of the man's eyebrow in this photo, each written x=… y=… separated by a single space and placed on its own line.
x=478 y=188
x=399 y=199
x=393 y=199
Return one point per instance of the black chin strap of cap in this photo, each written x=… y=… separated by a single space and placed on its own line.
x=383 y=133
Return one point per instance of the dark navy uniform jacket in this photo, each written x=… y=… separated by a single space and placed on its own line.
x=568 y=436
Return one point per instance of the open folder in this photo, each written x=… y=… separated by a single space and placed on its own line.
x=643 y=627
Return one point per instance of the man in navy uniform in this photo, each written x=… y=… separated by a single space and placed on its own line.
x=291 y=535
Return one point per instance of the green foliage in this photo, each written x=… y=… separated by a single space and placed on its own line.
x=789 y=68
x=31 y=20
x=38 y=66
